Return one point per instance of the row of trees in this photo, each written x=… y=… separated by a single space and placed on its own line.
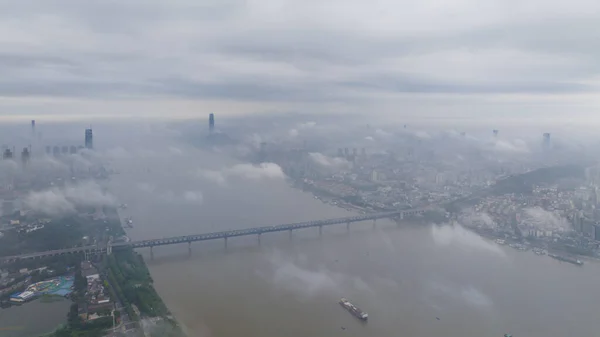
x=129 y=271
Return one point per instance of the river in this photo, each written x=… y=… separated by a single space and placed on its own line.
x=412 y=280
x=34 y=318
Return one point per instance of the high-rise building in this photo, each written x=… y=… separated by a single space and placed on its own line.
x=72 y=149
x=89 y=140
x=56 y=151
x=354 y=152
x=495 y=133
x=65 y=149
x=48 y=149
x=7 y=154
x=33 y=126
x=211 y=122
x=25 y=156
x=546 y=140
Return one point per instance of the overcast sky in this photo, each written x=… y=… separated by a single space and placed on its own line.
x=451 y=58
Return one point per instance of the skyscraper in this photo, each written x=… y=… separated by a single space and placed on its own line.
x=25 y=156
x=89 y=141
x=211 y=122
x=7 y=154
x=546 y=140
x=33 y=126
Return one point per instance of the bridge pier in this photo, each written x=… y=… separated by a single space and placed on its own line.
x=290 y=234
x=348 y=226
x=151 y=253
x=190 y=248
x=259 y=234
x=320 y=231
x=225 y=240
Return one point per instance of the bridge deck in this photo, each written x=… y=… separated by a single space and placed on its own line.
x=251 y=231
x=215 y=235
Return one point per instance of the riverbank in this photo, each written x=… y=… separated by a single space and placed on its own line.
x=132 y=284
x=539 y=248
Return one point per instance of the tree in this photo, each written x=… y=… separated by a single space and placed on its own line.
x=73 y=316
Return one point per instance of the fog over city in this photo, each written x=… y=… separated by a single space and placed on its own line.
x=299 y=168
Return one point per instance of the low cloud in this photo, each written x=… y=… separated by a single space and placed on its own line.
x=469 y=295
x=293 y=133
x=51 y=202
x=477 y=219
x=57 y=201
x=293 y=274
x=383 y=134
x=243 y=171
x=369 y=138
x=545 y=220
x=515 y=146
x=422 y=134
x=458 y=236
x=185 y=197
x=327 y=161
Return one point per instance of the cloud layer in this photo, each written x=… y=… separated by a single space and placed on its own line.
x=329 y=162
x=57 y=201
x=457 y=236
x=243 y=171
x=289 y=51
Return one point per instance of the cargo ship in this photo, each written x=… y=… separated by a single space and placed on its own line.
x=566 y=259
x=354 y=310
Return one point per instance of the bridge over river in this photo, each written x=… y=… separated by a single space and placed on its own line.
x=107 y=249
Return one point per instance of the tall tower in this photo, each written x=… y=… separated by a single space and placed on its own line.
x=33 y=126
x=25 y=156
x=89 y=140
x=546 y=140
x=211 y=122
x=495 y=133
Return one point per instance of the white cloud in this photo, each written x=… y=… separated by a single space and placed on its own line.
x=369 y=138
x=261 y=171
x=293 y=133
x=52 y=202
x=56 y=201
x=382 y=134
x=326 y=161
x=545 y=220
x=468 y=294
x=459 y=237
x=243 y=171
x=517 y=146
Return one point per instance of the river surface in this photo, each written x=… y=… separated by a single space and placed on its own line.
x=412 y=280
x=34 y=318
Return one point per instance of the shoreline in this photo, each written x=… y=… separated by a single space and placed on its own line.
x=538 y=249
x=168 y=318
